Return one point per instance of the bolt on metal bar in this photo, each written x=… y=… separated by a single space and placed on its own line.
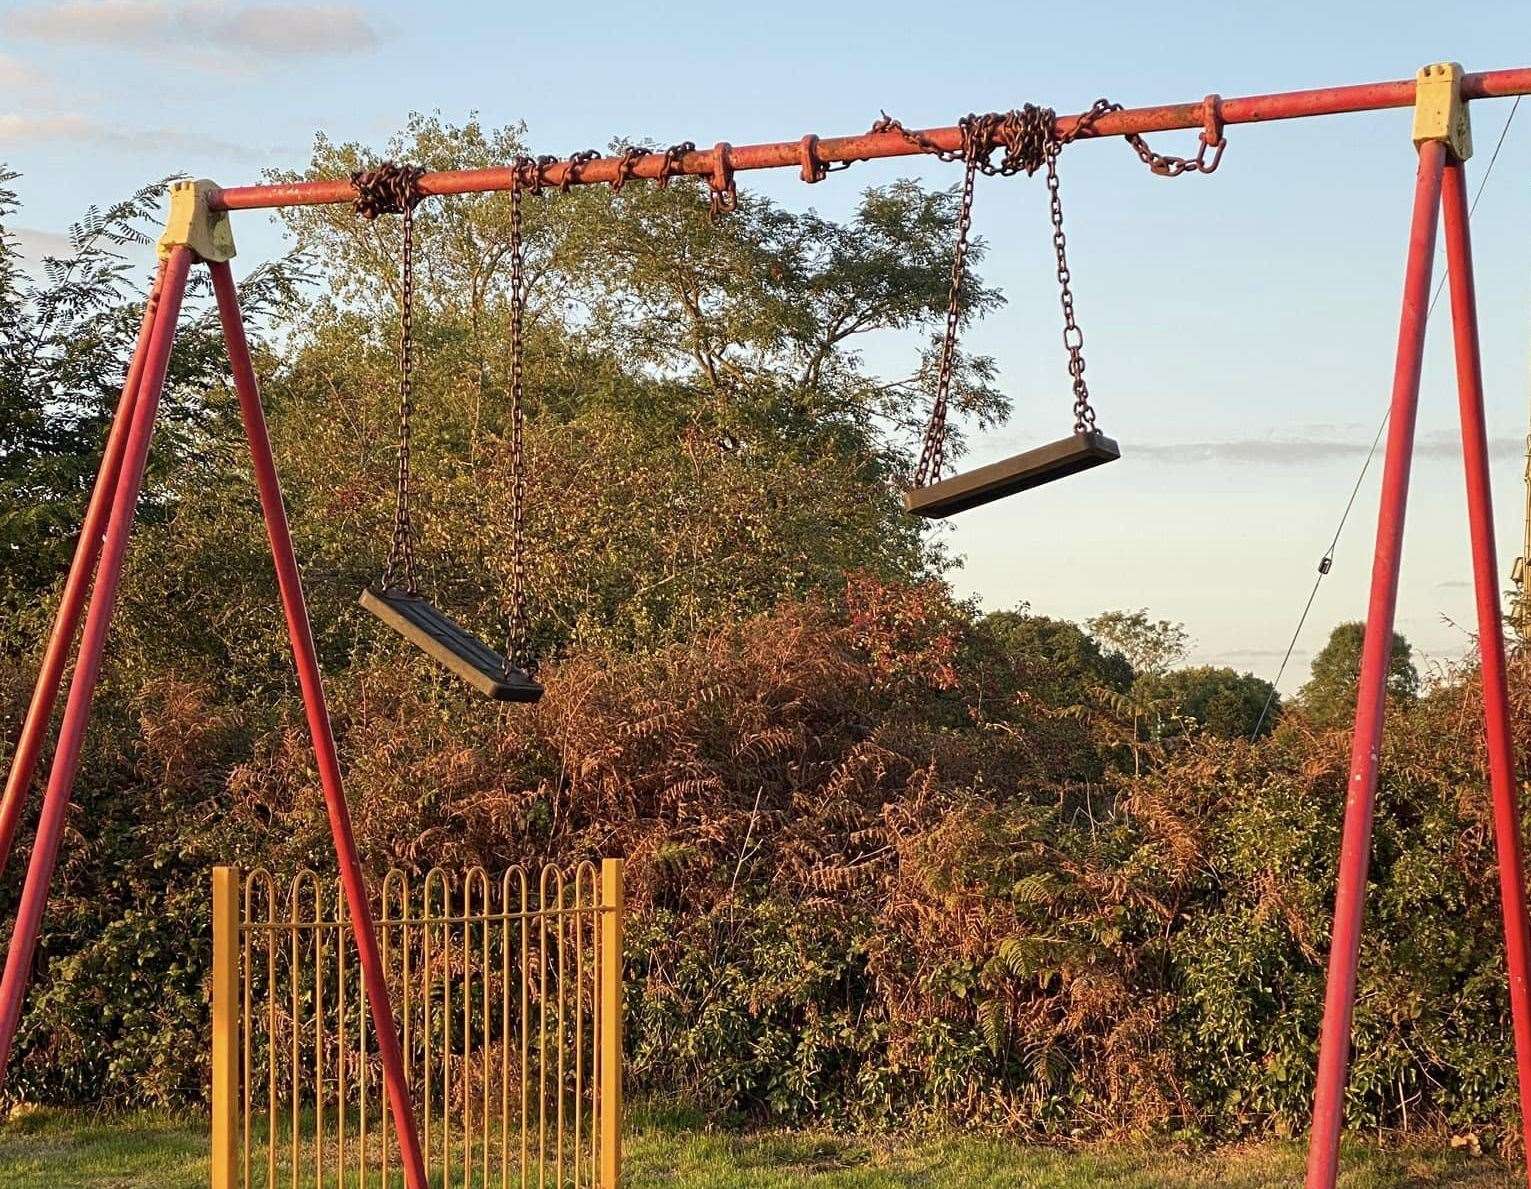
x=1248 y=109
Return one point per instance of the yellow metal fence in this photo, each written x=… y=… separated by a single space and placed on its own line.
x=508 y=996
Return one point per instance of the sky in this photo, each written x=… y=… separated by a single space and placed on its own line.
x=1240 y=328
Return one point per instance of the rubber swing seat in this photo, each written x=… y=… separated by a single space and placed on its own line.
x=450 y=645
x=1020 y=472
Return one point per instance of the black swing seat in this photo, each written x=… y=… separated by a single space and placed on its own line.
x=450 y=645
x=1068 y=456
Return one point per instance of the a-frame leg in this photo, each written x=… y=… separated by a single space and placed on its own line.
x=66 y=622
x=66 y=761
x=1366 y=741
x=1498 y=734
x=291 y=587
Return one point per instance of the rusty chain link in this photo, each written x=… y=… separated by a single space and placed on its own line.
x=1164 y=165
x=625 y=164
x=575 y=167
x=392 y=189
x=933 y=447
x=668 y=161
x=1073 y=337
x=1029 y=138
x=517 y=647
x=723 y=196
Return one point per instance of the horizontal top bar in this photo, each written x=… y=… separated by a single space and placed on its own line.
x=1249 y=109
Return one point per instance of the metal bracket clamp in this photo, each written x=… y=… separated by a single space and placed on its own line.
x=191 y=223
x=1439 y=111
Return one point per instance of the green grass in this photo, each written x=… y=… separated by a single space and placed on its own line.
x=47 y=1150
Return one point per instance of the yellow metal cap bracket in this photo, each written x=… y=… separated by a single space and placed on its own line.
x=192 y=224
x=1439 y=112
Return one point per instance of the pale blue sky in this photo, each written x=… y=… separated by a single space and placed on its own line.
x=1249 y=316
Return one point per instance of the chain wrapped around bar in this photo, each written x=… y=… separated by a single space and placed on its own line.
x=670 y=160
x=518 y=653
x=1030 y=140
x=393 y=189
x=625 y=164
x=576 y=166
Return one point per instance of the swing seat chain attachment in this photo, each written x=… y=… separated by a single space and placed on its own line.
x=1031 y=140
x=1212 y=140
x=390 y=189
x=394 y=189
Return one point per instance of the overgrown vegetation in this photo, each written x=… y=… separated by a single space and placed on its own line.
x=891 y=860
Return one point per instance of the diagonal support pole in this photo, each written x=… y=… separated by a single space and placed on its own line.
x=66 y=622
x=291 y=586
x=1498 y=733
x=71 y=740
x=1366 y=741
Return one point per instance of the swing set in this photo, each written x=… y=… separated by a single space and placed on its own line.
x=198 y=231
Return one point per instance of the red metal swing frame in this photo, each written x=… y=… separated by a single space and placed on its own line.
x=95 y=573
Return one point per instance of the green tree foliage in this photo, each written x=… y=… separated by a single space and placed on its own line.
x=1221 y=701
x=1062 y=664
x=65 y=341
x=1152 y=647
x=1329 y=697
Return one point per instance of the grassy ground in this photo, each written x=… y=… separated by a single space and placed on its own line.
x=52 y=1151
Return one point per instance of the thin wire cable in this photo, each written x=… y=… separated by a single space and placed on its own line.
x=1327 y=561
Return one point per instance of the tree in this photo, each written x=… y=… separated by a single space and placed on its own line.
x=1150 y=646
x=66 y=338
x=745 y=331
x=704 y=434
x=1056 y=661
x=1329 y=697
x=1221 y=701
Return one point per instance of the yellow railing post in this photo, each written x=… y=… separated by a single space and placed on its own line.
x=611 y=1023
x=225 y=1026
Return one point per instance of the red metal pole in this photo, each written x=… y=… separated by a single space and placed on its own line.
x=804 y=151
x=1365 y=744
x=1496 y=698
x=34 y=728
x=291 y=586
x=66 y=761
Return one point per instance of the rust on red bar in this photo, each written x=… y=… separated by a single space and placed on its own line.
x=1249 y=109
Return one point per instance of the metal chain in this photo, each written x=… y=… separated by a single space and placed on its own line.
x=1030 y=141
x=517 y=648
x=394 y=189
x=1164 y=164
x=1167 y=166
x=1073 y=337
x=402 y=553
x=933 y=448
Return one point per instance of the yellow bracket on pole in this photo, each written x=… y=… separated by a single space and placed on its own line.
x=1439 y=111
x=193 y=225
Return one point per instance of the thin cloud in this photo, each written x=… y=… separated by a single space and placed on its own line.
x=1305 y=451
x=80 y=129
x=18 y=77
x=1255 y=655
x=34 y=244
x=266 y=30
